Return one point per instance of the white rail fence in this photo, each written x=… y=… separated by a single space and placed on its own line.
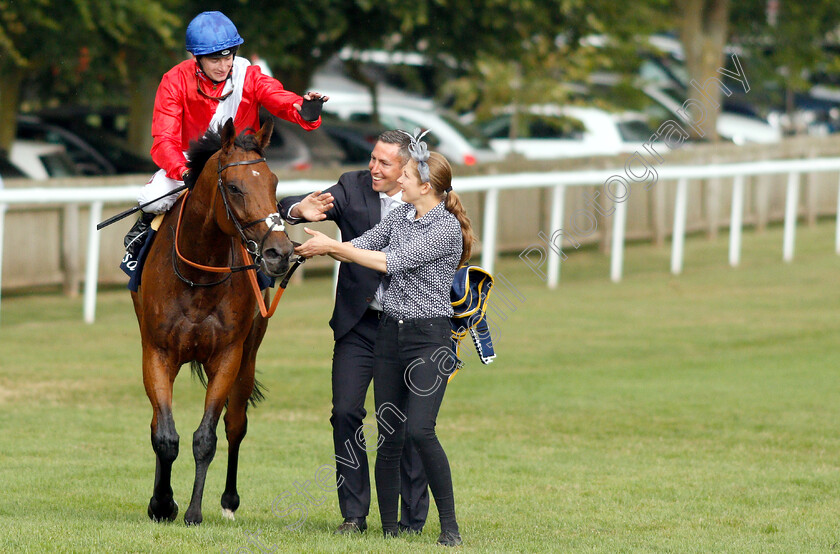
x=492 y=185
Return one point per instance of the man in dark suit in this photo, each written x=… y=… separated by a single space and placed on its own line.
x=356 y=203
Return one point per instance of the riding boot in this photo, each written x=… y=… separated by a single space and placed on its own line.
x=136 y=236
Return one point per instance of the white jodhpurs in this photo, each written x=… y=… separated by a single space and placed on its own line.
x=159 y=185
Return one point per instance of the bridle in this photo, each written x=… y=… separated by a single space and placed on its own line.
x=250 y=248
x=274 y=221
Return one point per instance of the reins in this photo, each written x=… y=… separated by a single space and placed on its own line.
x=247 y=255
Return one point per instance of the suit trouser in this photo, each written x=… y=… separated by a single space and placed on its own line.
x=352 y=373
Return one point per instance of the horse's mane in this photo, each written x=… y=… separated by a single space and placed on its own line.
x=202 y=149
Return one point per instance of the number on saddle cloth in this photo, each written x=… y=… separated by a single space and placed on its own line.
x=133 y=267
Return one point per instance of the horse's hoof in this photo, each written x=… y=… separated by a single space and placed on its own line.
x=228 y=514
x=158 y=513
x=193 y=519
x=230 y=501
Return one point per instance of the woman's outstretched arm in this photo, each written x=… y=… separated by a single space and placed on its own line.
x=320 y=244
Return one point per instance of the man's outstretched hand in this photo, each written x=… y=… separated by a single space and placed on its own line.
x=313 y=207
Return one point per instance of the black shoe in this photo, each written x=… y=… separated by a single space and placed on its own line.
x=406 y=530
x=390 y=533
x=136 y=236
x=351 y=525
x=449 y=538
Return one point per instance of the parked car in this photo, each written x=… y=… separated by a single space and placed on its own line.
x=41 y=160
x=86 y=158
x=551 y=131
x=737 y=127
x=106 y=130
x=294 y=148
x=812 y=112
x=8 y=170
x=459 y=143
x=287 y=150
x=355 y=138
x=812 y=115
x=331 y=81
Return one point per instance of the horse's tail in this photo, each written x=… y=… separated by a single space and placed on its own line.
x=257 y=395
x=197 y=370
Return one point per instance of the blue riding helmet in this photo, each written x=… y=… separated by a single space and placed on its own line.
x=211 y=32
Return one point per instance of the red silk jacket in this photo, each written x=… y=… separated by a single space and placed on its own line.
x=182 y=114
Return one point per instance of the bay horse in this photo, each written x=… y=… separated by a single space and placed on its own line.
x=188 y=313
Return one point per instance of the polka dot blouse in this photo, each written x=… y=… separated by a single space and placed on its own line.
x=422 y=260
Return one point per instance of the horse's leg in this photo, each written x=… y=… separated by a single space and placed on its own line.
x=158 y=378
x=221 y=373
x=236 y=417
x=236 y=425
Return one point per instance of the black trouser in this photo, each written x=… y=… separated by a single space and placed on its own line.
x=409 y=381
x=352 y=372
x=414 y=489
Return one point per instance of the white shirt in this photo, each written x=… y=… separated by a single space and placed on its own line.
x=386 y=204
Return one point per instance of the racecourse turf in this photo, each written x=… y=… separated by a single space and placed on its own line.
x=696 y=413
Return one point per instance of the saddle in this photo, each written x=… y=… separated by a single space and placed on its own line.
x=471 y=288
x=133 y=267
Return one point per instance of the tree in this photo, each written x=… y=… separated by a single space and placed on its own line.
x=540 y=76
x=788 y=46
x=783 y=47
x=295 y=38
x=529 y=53
x=704 y=28
x=62 y=51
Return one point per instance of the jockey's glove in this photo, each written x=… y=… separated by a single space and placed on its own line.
x=310 y=110
x=188 y=180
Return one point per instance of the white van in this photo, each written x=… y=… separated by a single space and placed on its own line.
x=552 y=131
x=460 y=144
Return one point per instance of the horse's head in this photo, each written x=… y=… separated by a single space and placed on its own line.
x=248 y=206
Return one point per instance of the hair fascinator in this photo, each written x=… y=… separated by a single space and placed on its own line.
x=419 y=153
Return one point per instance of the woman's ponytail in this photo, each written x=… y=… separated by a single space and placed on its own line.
x=453 y=204
x=440 y=177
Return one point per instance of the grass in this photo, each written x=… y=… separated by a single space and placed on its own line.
x=696 y=413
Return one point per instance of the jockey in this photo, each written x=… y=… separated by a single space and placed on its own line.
x=204 y=92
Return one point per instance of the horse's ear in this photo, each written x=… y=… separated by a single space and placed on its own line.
x=263 y=136
x=228 y=134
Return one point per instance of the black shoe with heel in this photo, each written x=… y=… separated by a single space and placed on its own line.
x=406 y=530
x=450 y=538
x=351 y=525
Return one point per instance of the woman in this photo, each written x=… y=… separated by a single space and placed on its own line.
x=428 y=238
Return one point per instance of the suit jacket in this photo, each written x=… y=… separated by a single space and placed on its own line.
x=356 y=208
